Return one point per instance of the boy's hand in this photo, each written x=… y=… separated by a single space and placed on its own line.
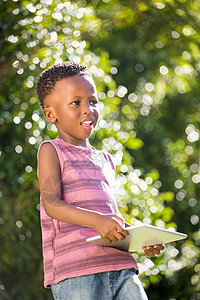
x=153 y=250
x=111 y=228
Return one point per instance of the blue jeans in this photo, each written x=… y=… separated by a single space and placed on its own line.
x=118 y=285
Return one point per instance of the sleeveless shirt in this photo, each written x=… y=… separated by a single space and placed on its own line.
x=87 y=176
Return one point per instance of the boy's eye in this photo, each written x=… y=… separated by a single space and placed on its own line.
x=76 y=102
x=93 y=102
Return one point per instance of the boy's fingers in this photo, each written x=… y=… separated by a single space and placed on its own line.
x=106 y=240
x=153 y=250
x=119 y=235
x=148 y=251
x=159 y=246
x=111 y=238
x=122 y=232
x=156 y=251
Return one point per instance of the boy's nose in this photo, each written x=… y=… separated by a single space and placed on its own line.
x=87 y=109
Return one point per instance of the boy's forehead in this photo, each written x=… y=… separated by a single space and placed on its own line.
x=76 y=82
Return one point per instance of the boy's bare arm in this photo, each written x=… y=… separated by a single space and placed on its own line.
x=110 y=227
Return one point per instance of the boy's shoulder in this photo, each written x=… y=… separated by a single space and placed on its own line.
x=46 y=144
x=51 y=142
x=46 y=147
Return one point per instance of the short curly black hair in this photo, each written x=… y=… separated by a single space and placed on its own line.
x=49 y=77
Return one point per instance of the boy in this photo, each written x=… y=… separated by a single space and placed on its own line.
x=77 y=201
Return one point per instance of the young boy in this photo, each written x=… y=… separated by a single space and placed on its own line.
x=76 y=186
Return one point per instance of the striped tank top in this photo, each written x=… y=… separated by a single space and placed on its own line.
x=87 y=177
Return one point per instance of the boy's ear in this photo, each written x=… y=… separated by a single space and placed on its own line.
x=49 y=114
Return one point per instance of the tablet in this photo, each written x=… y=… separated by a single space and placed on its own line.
x=139 y=236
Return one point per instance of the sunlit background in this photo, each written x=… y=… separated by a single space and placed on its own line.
x=145 y=59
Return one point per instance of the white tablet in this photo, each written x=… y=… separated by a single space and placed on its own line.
x=139 y=236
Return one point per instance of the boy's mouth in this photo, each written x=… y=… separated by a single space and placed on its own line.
x=87 y=124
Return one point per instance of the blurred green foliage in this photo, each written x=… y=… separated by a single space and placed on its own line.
x=145 y=59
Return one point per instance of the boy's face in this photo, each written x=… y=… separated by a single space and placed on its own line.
x=73 y=108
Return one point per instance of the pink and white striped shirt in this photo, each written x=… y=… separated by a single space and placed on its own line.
x=87 y=177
